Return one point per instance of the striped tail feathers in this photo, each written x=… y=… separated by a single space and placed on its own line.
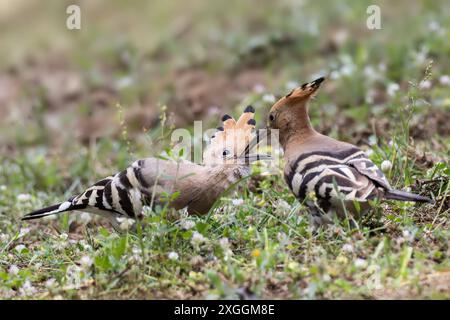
x=405 y=196
x=54 y=209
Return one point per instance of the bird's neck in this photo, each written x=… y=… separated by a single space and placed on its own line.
x=213 y=183
x=298 y=129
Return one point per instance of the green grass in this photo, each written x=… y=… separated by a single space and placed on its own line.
x=54 y=142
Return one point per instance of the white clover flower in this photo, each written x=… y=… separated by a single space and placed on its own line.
x=269 y=98
x=259 y=88
x=372 y=140
x=23 y=232
x=4 y=237
x=19 y=248
x=425 y=85
x=23 y=197
x=187 y=224
x=347 y=70
x=224 y=243
x=369 y=152
x=444 y=80
x=85 y=218
x=50 y=283
x=27 y=289
x=86 y=262
x=334 y=75
x=360 y=263
x=63 y=236
x=369 y=72
x=124 y=82
x=392 y=88
x=237 y=202
x=291 y=85
x=3 y=187
x=85 y=245
x=173 y=256
x=347 y=247
x=408 y=235
x=434 y=26
x=386 y=166
x=282 y=208
x=125 y=223
x=326 y=277
x=13 y=270
x=197 y=238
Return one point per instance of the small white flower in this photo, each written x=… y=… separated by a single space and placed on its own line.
x=382 y=66
x=372 y=140
x=369 y=152
x=282 y=208
x=259 y=88
x=291 y=85
x=19 y=248
x=269 y=98
x=434 y=26
x=237 y=202
x=335 y=75
x=85 y=218
x=347 y=70
x=187 y=224
x=360 y=263
x=347 y=247
x=386 y=166
x=23 y=232
x=27 y=289
x=224 y=243
x=13 y=270
x=86 y=246
x=50 y=283
x=86 y=262
x=63 y=236
x=425 y=85
x=2 y=187
x=197 y=238
x=173 y=255
x=444 y=80
x=23 y=197
x=125 y=223
x=136 y=250
x=392 y=88
x=124 y=82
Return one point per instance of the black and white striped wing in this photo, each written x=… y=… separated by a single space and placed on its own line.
x=122 y=194
x=367 y=168
x=327 y=173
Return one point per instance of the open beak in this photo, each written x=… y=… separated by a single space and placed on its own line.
x=250 y=158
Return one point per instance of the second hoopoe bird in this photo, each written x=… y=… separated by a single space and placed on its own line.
x=149 y=181
x=339 y=176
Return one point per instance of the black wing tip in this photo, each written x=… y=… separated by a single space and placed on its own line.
x=251 y=122
x=249 y=109
x=226 y=117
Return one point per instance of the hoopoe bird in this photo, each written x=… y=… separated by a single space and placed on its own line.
x=338 y=176
x=149 y=181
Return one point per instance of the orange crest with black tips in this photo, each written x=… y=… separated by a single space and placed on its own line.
x=230 y=140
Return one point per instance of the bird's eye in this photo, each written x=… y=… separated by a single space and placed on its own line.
x=225 y=152
x=271 y=117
